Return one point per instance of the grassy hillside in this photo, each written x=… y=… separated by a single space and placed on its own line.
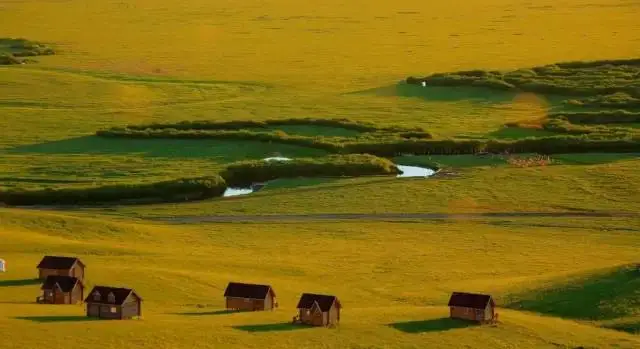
x=390 y=299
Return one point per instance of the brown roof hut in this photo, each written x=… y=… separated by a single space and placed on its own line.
x=113 y=303
x=249 y=297
x=61 y=266
x=318 y=310
x=61 y=290
x=472 y=306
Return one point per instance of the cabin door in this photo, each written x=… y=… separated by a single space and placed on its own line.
x=479 y=315
x=58 y=297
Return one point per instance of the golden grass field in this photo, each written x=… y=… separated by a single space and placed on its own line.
x=386 y=274
x=129 y=62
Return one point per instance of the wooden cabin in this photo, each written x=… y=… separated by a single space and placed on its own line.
x=249 y=297
x=113 y=303
x=318 y=310
x=61 y=266
x=472 y=306
x=61 y=290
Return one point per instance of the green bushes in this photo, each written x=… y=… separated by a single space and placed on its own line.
x=12 y=49
x=601 y=117
x=542 y=145
x=617 y=100
x=167 y=191
x=393 y=146
x=270 y=124
x=331 y=144
x=247 y=172
x=7 y=59
x=572 y=78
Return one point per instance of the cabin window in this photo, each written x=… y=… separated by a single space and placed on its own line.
x=111 y=298
x=247 y=300
x=50 y=293
x=308 y=312
x=96 y=296
x=114 y=310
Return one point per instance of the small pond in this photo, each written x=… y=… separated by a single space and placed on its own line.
x=407 y=172
x=414 y=171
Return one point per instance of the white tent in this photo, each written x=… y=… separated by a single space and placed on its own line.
x=3 y=266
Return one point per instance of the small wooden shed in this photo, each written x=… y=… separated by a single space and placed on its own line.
x=249 y=297
x=61 y=266
x=318 y=310
x=61 y=290
x=113 y=303
x=472 y=306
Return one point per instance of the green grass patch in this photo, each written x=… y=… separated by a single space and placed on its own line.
x=603 y=296
x=290 y=183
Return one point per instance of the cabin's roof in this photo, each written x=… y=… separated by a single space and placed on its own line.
x=57 y=262
x=120 y=294
x=66 y=283
x=324 y=301
x=469 y=300
x=242 y=290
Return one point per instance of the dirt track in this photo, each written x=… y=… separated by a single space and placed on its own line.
x=383 y=216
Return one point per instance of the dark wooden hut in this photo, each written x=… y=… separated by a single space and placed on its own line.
x=61 y=290
x=318 y=310
x=472 y=306
x=61 y=266
x=249 y=297
x=113 y=303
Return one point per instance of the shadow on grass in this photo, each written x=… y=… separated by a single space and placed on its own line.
x=433 y=325
x=19 y=282
x=220 y=150
x=46 y=319
x=442 y=94
x=605 y=296
x=279 y=327
x=629 y=327
x=207 y=313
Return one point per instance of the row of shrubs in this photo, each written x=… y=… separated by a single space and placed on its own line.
x=616 y=100
x=12 y=49
x=562 y=125
x=166 y=191
x=394 y=146
x=7 y=59
x=330 y=144
x=600 y=117
x=269 y=124
x=247 y=172
x=189 y=189
x=573 y=78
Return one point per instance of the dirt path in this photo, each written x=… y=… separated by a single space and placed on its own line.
x=384 y=216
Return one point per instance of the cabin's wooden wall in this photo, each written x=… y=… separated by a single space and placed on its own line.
x=131 y=308
x=463 y=313
x=245 y=304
